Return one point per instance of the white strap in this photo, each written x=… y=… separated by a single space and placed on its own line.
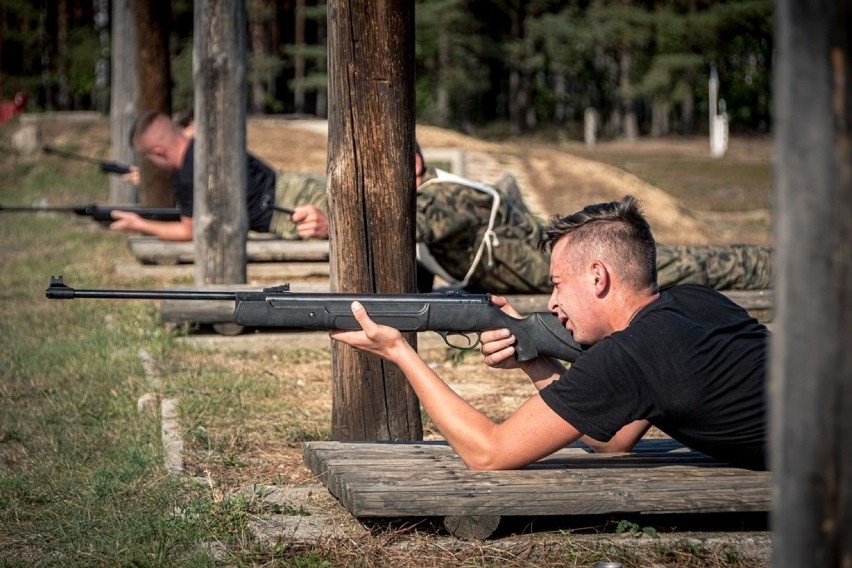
x=489 y=239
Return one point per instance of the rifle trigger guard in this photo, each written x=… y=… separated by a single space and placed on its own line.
x=470 y=344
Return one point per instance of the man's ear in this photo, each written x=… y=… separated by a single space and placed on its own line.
x=419 y=166
x=601 y=276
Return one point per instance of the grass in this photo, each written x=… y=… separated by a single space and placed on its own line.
x=739 y=181
x=82 y=480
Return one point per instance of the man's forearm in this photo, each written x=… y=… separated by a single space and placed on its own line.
x=166 y=230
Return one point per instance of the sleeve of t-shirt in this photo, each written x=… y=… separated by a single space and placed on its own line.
x=599 y=393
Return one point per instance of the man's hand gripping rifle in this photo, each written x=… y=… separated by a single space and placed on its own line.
x=453 y=315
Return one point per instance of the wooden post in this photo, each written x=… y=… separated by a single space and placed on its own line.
x=811 y=368
x=122 y=97
x=153 y=88
x=220 y=218
x=372 y=201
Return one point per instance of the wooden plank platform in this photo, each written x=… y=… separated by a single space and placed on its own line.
x=277 y=272
x=152 y=250
x=427 y=479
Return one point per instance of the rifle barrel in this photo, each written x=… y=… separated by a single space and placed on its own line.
x=20 y=208
x=59 y=291
x=106 y=166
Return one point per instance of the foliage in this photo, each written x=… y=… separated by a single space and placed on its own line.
x=528 y=64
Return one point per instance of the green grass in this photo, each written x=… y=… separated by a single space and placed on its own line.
x=82 y=481
x=81 y=476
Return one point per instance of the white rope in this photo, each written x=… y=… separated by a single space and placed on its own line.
x=489 y=238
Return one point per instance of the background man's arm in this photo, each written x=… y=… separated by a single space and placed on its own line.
x=166 y=230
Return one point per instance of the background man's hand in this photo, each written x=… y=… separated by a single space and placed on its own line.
x=125 y=221
x=133 y=176
x=311 y=222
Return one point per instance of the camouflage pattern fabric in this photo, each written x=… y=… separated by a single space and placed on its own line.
x=293 y=189
x=723 y=267
x=452 y=219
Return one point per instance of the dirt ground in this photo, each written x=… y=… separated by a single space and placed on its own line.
x=559 y=179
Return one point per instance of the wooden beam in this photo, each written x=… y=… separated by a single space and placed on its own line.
x=811 y=363
x=371 y=197
x=220 y=216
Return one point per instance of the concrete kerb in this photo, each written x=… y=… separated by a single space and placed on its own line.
x=306 y=519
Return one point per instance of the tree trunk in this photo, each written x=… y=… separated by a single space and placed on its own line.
x=299 y=62
x=63 y=54
x=322 y=93
x=153 y=89
x=630 y=125
x=660 y=117
x=688 y=112
x=811 y=363
x=442 y=96
x=123 y=93
x=258 y=35
x=220 y=218
x=372 y=199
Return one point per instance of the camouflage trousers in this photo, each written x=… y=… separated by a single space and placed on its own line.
x=291 y=190
x=723 y=267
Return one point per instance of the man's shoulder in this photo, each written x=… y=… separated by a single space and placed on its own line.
x=698 y=292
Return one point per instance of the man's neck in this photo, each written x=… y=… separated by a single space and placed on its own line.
x=640 y=301
x=181 y=147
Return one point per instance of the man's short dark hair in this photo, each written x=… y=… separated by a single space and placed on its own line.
x=620 y=227
x=142 y=123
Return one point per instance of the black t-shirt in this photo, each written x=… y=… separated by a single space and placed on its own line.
x=260 y=190
x=693 y=363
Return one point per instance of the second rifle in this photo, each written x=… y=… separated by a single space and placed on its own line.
x=105 y=166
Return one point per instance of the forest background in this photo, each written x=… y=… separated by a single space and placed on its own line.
x=486 y=67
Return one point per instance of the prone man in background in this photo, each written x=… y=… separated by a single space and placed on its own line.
x=165 y=144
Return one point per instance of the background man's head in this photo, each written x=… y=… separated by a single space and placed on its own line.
x=155 y=137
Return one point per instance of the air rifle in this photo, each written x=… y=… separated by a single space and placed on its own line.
x=102 y=213
x=455 y=315
x=106 y=167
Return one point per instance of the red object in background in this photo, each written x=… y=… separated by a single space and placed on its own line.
x=10 y=109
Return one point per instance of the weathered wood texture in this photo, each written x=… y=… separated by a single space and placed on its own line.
x=278 y=272
x=151 y=250
x=811 y=364
x=122 y=97
x=372 y=200
x=220 y=218
x=428 y=479
x=153 y=88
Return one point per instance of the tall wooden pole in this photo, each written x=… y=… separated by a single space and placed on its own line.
x=220 y=218
x=811 y=356
x=372 y=201
x=122 y=97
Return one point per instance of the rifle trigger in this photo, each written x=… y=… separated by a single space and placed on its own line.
x=470 y=344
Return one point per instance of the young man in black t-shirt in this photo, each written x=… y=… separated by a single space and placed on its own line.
x=685 y=359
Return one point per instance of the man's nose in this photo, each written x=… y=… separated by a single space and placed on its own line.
x=552 y=304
